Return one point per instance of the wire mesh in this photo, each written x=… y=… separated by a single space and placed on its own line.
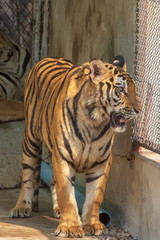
x=146 y=130
x=16 y=21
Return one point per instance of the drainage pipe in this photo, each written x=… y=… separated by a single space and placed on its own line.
x=46 y=176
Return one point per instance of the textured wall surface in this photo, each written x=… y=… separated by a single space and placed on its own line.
x=132 y=196
x=10 y=153
x=82 y=30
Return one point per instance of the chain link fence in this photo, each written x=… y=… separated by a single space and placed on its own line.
x=16 y=21
x=146 y=130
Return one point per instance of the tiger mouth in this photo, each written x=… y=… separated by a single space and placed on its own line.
x=117 y=120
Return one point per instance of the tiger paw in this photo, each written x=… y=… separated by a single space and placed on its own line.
x=73 y=231
x=18 y=212
x=96 y=229
x=56 y=212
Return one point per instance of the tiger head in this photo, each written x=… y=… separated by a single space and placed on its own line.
x=116 y=91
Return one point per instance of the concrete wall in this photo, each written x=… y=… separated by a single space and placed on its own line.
x=10 y=153
x=132 y=195
x=82 y=30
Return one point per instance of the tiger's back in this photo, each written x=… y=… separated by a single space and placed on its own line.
x=42 y=88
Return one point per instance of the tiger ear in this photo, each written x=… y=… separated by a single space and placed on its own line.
x=120 y=62
x=98 y=70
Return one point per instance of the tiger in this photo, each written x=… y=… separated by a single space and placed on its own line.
x=14 y=64
x=75 y=111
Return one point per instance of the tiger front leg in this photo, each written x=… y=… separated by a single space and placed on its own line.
x=95 y=189
x=28 y=197
x=70 y=224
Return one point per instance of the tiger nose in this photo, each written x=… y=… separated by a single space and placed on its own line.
x=137 y=106
x=137 y=110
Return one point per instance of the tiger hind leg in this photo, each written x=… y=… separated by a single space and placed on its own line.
x=11 y=110
x=35 y=205
x=28 y=198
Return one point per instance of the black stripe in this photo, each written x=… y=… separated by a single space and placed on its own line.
x=87 y=174
x=10 y=54
x=32 y=125
x=28 y=180
x=33 y=144
x=63 y=157
x=28 y=151
x=102 y=133
x=106 y=147
x=51 y=79
x=62 y=82
x=101 y=162
x=73 y=116
x=17 y=48
x=25 y=63
x=90 y=108
x=115 y=100
x=8 y=78
x=64 y=115
x=26 y=166
x=75 y=71
x=72 y=180
x=100 y=90
x=108 y=90
x=62 y=63
x=42 y=63
x=74 y=123
x=91 y=179
x=115 y=105
x=66 y=143
x=66 y=60
x=48 y=128
x=60 y=70
x=87 y=129
x=103 y=106
x=4 y=90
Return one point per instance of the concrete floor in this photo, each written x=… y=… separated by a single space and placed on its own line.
x=41 y=225
x=38 y=227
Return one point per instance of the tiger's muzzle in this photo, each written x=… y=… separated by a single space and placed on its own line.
x=118 y=120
